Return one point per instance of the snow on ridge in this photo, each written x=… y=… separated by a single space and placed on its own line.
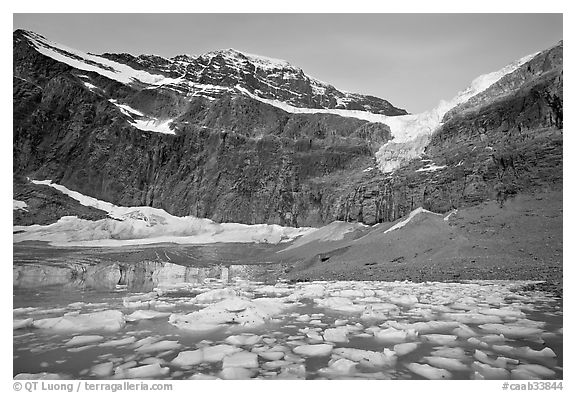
x=127 y=110
x=147 y=225
x=412 y=214
x=362 y=115
x=151 y=124
x=154 y=125
x=94 y=63
x=83 y=199
x=431 y=168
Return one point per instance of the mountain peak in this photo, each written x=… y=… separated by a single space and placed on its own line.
x=264 y=62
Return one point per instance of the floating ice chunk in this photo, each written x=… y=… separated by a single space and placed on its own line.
x=275 y=364
x=201 y=376
x=379 y=311
x=455 y=353
x=489 y=372
x=463 y=331
x=504 y=312
x=310 y=291
x=244 y=339
x=405 y=348
x=404 y=300
x=303 y=318
x=536 y=369
x=271 y=355
x=477 y=343
x=336 y=335
x=145 y=300
x=23 y=310
x=342 y=304
x=392 y=335
x=146 y=314
x=314 y=336
x=492 y=338
x=241 y=312
x=293 y=371
x=22 y=323
x=524 y=351
x=313 y=350
x=45 y=376
x=354 y=293
x=207 y=354
x=342 y=367
x=109 y=320
x=189 y=358
x=446 y=363
x=102 y=370
x=119 y=342
x=153 y=371
x=241 y=359
x=523 y=374
x=152 y=360
x=386 y=358
x=237 y=373
x=512 y=331
x=159 y=346
x=83 y=340
x=215 y=295
x=429 y=372
x=440 y=339
x=340 y=322
x=424 y=327
x=472 y=318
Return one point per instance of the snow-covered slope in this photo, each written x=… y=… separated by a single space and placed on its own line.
x=214 y=73
x=146 y=225
x=87 y=62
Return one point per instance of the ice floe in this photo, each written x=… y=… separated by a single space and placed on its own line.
x=386 y=358
x=429 y=372
x=313 y=350
x=109 y=320
x=233 y=330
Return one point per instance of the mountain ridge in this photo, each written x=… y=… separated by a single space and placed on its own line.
x=233 y=156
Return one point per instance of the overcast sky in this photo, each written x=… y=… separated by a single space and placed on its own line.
x=412 y=60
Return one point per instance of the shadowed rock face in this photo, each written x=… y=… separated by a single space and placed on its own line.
x=235 y=159
x=232 y=159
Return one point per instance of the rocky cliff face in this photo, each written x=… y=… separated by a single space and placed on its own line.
x=183 y=135
x=233 y=158
x=506 y=140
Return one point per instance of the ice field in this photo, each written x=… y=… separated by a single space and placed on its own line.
x=197 y=323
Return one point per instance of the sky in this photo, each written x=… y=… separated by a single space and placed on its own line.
x=411 y=60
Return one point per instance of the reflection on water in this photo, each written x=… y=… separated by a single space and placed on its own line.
x=141 y=276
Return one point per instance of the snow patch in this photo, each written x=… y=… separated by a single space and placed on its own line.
x=412 y=214
x=19 y=205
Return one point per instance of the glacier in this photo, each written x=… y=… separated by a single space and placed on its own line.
x=146 y=225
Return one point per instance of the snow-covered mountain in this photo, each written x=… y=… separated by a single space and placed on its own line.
x=237 y=137
x=212 y=74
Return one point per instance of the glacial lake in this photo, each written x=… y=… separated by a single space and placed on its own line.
x=168 y=321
